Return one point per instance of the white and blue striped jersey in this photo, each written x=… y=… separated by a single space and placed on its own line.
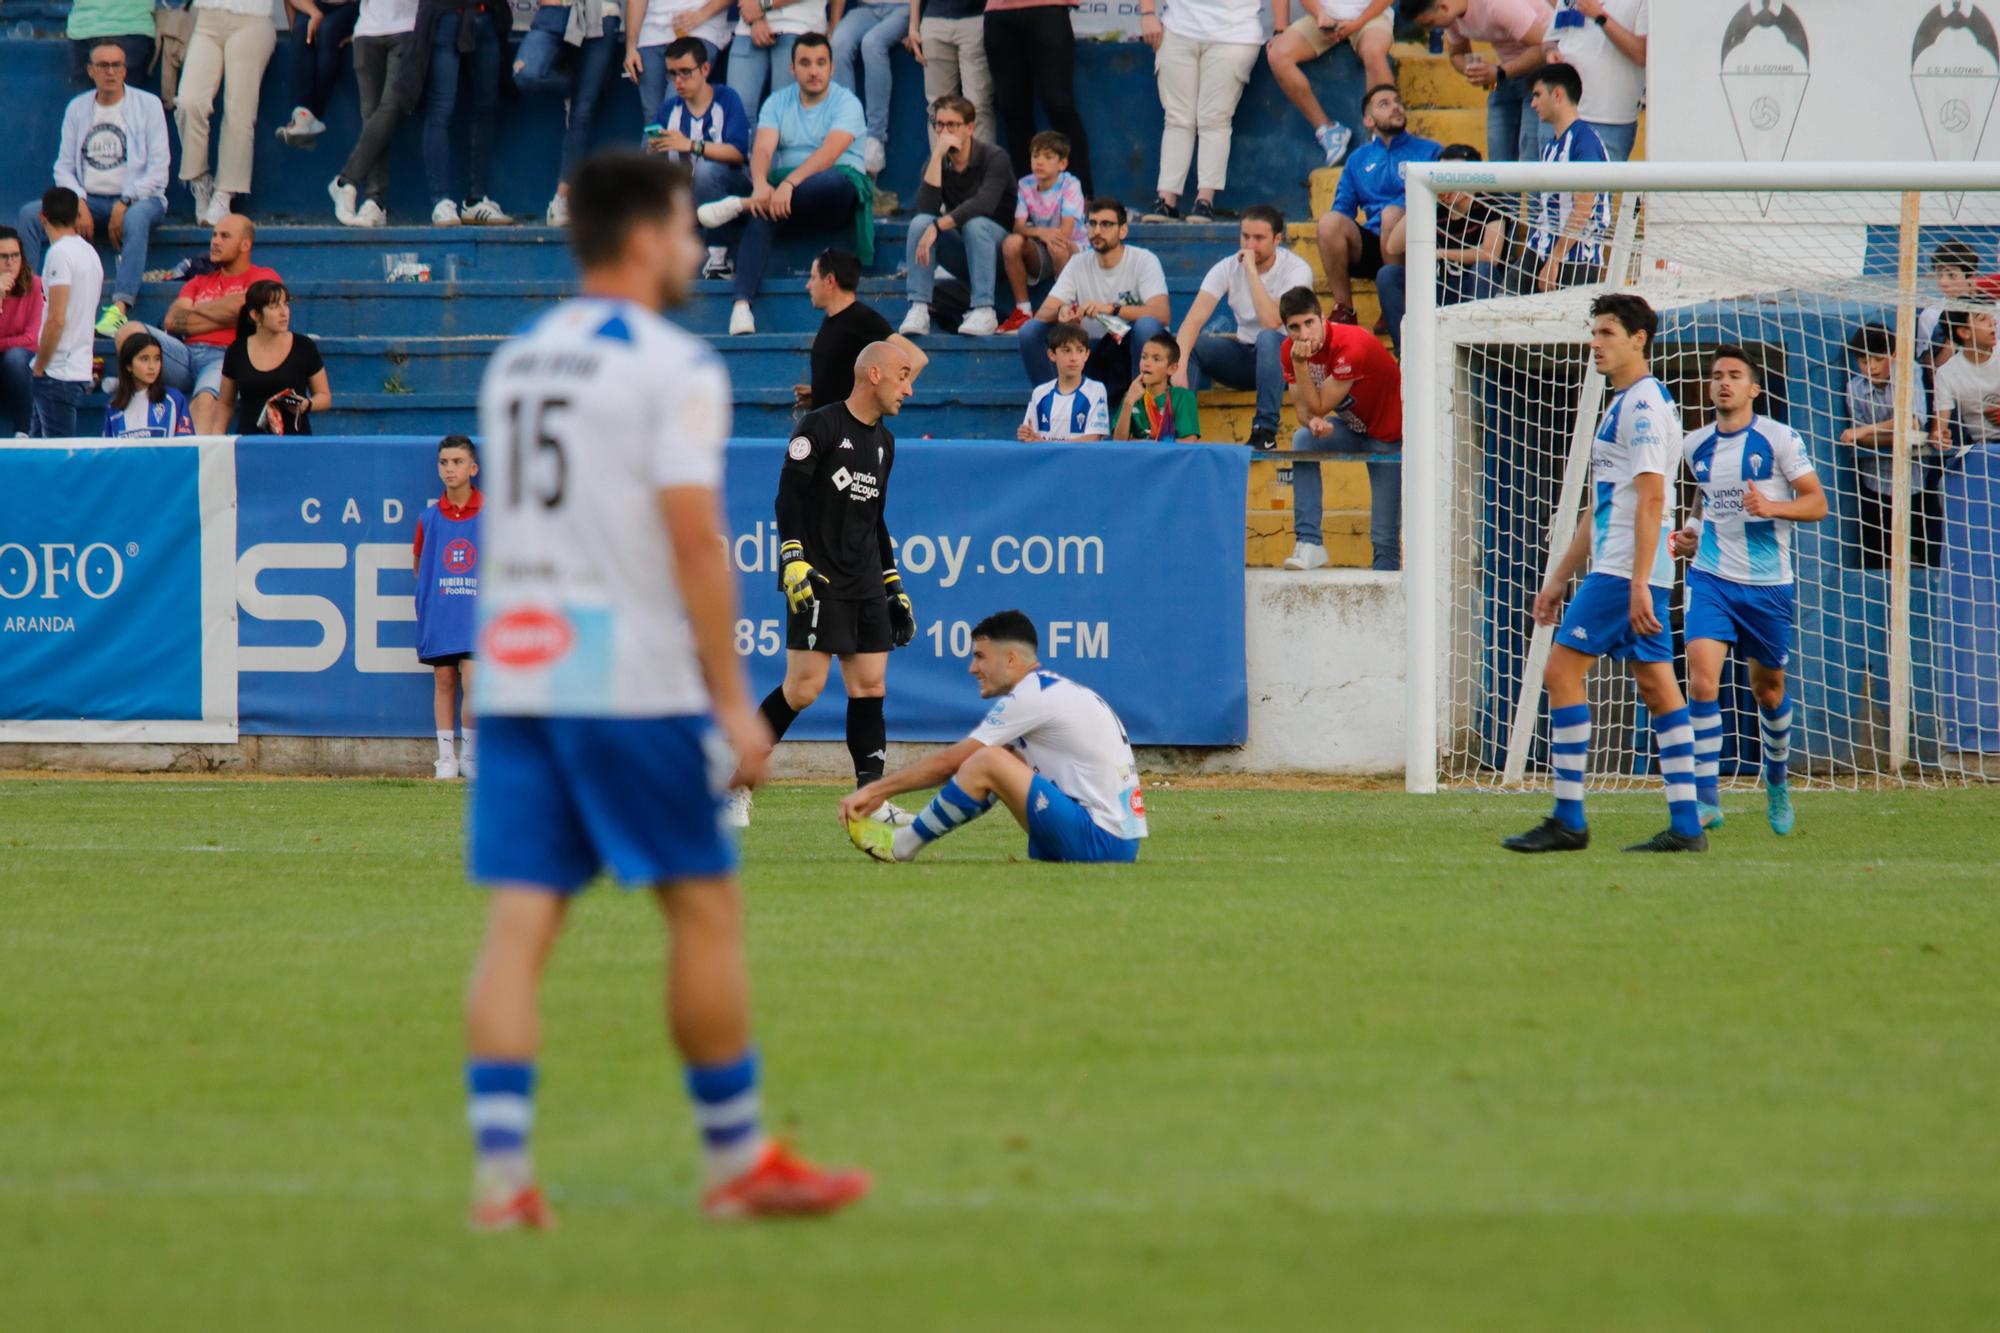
x=1578 y=143
x=1640 y=434
x=1069 y=735
x=1768 y=455
x=1055 y=415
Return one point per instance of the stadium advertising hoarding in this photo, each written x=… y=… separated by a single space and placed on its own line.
x=1129 y=558
x=117 y=603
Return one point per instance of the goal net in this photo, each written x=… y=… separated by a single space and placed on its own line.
x=1851 y=285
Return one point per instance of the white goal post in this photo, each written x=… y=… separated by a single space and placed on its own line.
x=1810 y=264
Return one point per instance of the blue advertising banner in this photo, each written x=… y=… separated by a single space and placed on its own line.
x=116 y=592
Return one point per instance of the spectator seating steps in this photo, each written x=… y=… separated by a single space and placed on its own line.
x=1429 y=81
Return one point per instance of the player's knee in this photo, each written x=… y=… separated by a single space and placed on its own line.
x=1010 y=245
x=711 y=907
x=802 y=690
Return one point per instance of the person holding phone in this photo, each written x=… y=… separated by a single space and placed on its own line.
x=273 y=379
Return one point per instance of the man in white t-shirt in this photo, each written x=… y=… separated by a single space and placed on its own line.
x=1118 y=292
x=1204 y=51
x=1052 y=751
x=72 y=280
x=1606 y=41
x=1252 y=357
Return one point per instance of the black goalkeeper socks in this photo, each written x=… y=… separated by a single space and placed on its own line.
x=867 y=739
x=778 y=714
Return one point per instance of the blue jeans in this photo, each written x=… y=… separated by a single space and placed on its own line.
x=752 y=66
x=1455 y=283
x=17 y=391
x=140 y=218
x=825 y=200
x=1112 y=363
x=481 y=66
x=316 y=68
x=1617 y=139
x=1260 y=365
x=653 y=79
x=872 y=33
x=1513 y=130
x=538 y=70
x=973 y=250
x=55 y=404
x=1385 y=490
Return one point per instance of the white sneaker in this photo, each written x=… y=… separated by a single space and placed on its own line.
x=895 y=816
x=979 y=323
x=718 y=266
x=220 y=204
x=1333 y=140
x=445 y=769
x=874 y=156
x=371 y=214
x=343 y=195
x=918 y=322
x=558 y=214
x=486 y=213
x=445 y=214
x=737 y=813
x=202 y=187
x=1305 y=555
x=741 y=321
x=721 y=212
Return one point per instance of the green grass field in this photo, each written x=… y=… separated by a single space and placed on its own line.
x=1324 y=1060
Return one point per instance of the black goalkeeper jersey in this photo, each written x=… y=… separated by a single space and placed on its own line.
x=831 y=495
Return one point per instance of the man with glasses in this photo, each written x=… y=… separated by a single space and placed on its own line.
x=965 y=207
x=113 y=158
x=1118 y=292
x=705 y=129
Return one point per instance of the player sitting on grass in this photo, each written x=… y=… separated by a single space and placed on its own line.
x=446 y=560
x=1052 y=750
x=1756 y=481
x=1620 y=610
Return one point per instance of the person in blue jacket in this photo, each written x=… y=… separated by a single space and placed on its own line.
x=447 y=567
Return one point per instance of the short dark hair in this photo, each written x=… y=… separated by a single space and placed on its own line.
x=614 y=190
x=1267 y=214
x=257 y=297
x=1875 y=340
x=459 y=442
x=1460 y=152
x=1171 y=343
x=1736 y=352
x=1562 y=78
x=688 y=46
x=1958 y=319
x=1104 y=203
x=1050 y=141
x=843 y=267
x=967 y=112
x=1955 y=254
x=809 y=39
x=1298 y=301
x=1411 y=10
x=1369 y=96
x=100 y=43
x=1009 y=627
x=1067 y=335
x=1633 y=314
x=59 y=205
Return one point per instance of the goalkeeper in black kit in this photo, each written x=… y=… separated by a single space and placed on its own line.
x=837 y=565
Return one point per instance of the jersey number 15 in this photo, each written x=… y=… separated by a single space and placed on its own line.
x=537 y=418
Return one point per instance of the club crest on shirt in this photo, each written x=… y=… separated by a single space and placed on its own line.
x=460 y=556
x=801 y=449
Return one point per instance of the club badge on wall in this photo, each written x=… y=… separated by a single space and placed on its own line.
x=1955 y=72
x=1765 y=67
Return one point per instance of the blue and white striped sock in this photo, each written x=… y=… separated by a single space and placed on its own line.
x=730 y=1113
x=1776 y=729
x=1676 y=739
x=949 y=809
x=500 y=1105
x=1706 y=715
x=1569 y=755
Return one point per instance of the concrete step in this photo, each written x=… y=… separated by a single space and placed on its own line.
x=1269 y=538
x=1430 y=83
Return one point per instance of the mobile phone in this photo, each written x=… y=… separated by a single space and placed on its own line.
x=655 y=131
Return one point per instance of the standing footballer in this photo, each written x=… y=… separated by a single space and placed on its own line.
x=837 y=565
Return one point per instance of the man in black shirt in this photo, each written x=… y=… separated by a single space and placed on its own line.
x=850 y=325
x=844 y=597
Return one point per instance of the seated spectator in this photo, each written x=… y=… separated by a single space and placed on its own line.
x=1471 y=245
x=72 y=280
x=464 y=49
x=1369 y=199
x=949 y=41
x=1568 y=230
x=1605 y=40
x=1251 y=280
x=128 y=24
x=849 y=327
x=761 y=55
x=1871 y=433
x=1364 y=25
x=272 y=378
x=1048 y=223
x=651 y=26
x=1516 y=29
x=20 y=332
x=805 y=171
x=570 y=52
x=964 y=207
x=379 y=49
x=1071 y=406
x=319 y=29
x=703 y=127
x=200 y=326
x=142 y=407
x=1155 y=408
x=114 y=158
x=864 y=39
x=1348 y=393
x=1118 y=292
x=1031 y=51
x=231 y=44
x=1203 y=53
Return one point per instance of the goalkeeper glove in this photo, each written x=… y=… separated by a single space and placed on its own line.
x=902 y=616
x=798 y=578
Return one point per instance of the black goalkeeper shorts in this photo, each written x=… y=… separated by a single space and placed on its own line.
x=840 y=627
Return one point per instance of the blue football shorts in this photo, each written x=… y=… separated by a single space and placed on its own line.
x=557 y=799
x=1059 y=829
x=1598 y=622
x=1756 y=617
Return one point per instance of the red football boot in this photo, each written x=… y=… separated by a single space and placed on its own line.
x=526 y=1209
x=782 y=1185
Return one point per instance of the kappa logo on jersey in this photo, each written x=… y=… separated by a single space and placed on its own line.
x=530 y=636
x=846 y=443
x=460 y=556
x=801 y=449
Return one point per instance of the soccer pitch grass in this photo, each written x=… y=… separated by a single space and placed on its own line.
x=1322 y=1060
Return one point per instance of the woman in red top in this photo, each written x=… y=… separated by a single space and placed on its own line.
x=20 y=327
x=1348 y=393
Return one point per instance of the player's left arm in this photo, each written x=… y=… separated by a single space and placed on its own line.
x=932 y=771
